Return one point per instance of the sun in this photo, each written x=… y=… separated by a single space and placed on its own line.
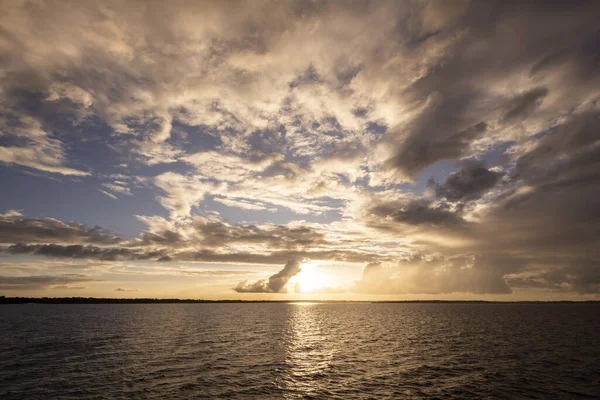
x=312 y=278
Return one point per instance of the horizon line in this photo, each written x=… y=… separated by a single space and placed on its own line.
x=149 y=300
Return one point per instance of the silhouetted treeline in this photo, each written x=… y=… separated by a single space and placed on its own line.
x=99 y=300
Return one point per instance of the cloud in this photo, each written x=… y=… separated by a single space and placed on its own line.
x=473 y=94
x=11 y=214
x=536 y=231
x=70 y=287
x=416 y=212
x=328 y=127
x=84 y=252
x=36 y=282
x=176 y=270
x=274 y=257
x=438 y=134
x=118 y=187
x=229 y=168
x=214 y=232
x=37 y=265
x=566 y=151
x=218 y=272
x=198 y=239
x=126 y=290
x=274 y=284
x=291 y=89
x=581 y=276
x=104 y=192
x=183 y=192
x=244 y=204
x=42 y=151
x=50 y=230
x=523 y=104
x=219 y=233
x=167 y=252
x=472 y=181
x=434 y=276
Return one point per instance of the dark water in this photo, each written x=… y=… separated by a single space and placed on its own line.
x=289 y=351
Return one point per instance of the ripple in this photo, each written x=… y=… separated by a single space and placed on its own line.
x=293 y=351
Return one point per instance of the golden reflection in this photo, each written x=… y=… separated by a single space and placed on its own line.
x=309 y=350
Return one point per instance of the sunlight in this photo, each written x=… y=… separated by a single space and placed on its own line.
x=312 y=278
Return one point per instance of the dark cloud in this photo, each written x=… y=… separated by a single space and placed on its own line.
x=202 y=237
x=524 y=104
x=376 y=127
x=283 y=169
x=42 y=281
x=264 y=145
x=274 y=284
x=275 y=257
x=172 y=254
x=453 y=102
x=576 y=275
x=548 y=62
x=417 y=212
x=346 y=151
x=345 y=72
x=540 y=232
x=218 y=233
x=438 y=134
x=309 y=77
x=541 y=223
x=84 y=252
x=163 y=238
x=570 y=148
x=215 y=234
x=470 y=182
x=50 y=230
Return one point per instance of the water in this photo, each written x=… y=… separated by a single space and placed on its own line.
x=289 y=351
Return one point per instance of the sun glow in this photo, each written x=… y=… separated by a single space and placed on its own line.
x=312 y=278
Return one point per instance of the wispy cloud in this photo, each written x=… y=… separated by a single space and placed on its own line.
x=36 y=282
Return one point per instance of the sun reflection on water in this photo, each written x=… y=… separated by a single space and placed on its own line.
x=309 y=350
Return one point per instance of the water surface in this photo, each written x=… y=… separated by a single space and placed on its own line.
x=292 y=351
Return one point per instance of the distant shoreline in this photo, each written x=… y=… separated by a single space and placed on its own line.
x=100 y=300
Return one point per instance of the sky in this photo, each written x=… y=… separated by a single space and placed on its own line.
x=359 y=150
